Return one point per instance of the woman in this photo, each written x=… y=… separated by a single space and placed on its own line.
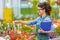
x=44 y=10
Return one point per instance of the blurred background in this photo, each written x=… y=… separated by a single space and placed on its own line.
x=11 y=11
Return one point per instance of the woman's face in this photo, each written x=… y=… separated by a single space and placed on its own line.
x=41 y=11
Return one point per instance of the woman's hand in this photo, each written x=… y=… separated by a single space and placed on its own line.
x=40 y=30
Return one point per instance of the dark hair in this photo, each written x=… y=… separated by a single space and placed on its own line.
x=46 y=6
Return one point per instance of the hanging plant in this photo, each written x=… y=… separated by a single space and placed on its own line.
x=58 y=2
x=52 y=2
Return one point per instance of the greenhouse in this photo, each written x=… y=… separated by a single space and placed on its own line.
x=12 y=11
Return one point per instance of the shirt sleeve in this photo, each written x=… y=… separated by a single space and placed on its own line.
x=32 y=22
x=52 y=28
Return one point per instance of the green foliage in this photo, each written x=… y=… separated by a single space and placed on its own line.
x=25 y=11
x=57 y=30
x=26 y=29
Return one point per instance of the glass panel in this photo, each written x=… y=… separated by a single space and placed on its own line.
x=16 y=8
x=1 y=9
x=7 y=4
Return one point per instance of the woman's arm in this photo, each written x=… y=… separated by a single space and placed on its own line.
x=24 y=22
x=42 y=31
x=32 y=22
x=48 y=32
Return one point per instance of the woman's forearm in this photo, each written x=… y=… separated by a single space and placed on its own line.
x=48 y=32
x=23 y=22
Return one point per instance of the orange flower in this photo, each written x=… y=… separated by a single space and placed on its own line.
x=54 y=21
x=12 y=37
